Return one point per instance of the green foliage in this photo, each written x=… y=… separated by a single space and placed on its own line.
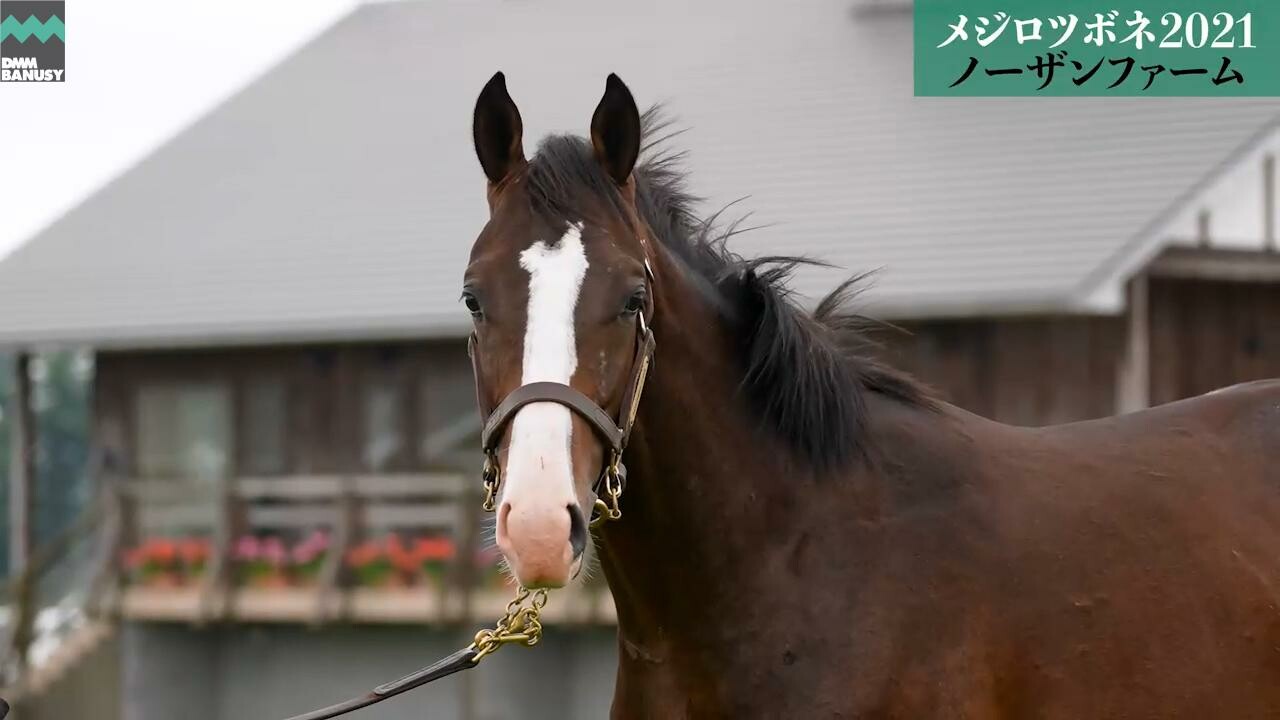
x=5 y=419
x=62 y=400
x=61 y=389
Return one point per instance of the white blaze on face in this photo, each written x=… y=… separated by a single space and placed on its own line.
x=539 y=465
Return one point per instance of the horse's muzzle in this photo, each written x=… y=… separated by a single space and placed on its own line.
x=544 y=546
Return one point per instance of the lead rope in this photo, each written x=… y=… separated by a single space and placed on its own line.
x=521 y=625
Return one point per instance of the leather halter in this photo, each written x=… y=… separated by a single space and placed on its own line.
x=608 y=487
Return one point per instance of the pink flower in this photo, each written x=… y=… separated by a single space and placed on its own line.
x=247 y=548
x=315 y=545
x=318 y=540
x=273 y=550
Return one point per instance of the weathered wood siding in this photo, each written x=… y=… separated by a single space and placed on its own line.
x=1207 y=335
x=1025 y=371
x=325 y=388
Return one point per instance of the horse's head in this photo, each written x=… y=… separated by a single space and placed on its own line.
x=558 y=289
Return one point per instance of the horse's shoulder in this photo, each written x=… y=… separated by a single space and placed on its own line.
x=1253 y=410
x=1251 y=405
x=1254 y=389
x=1211 y=407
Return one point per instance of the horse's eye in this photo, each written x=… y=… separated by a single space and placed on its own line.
x=473 y=305
x=635 y=303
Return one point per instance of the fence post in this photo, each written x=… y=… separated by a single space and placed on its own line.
x=215 y=595
x=330 y=601
x=107 y=581
x=22 y=472
x=464 y=581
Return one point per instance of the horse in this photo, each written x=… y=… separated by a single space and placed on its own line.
x=807 y=532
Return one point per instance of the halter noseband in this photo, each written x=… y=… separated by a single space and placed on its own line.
x=614 y=434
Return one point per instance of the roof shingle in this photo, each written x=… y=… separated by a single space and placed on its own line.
x=338 y=195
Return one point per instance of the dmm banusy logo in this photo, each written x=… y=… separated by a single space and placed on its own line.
x=33 y=41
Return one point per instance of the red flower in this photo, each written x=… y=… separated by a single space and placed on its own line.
x=161 y=550
x=134 y=558
x=438 y=548
x=365 y=553
x=194 y=551
x=399 y=555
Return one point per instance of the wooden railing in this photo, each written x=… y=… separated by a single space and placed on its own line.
x=79 y=577
x=350 y=510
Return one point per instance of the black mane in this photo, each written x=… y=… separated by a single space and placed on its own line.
x=806 y=374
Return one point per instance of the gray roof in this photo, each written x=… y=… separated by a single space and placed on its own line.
x=338 y=195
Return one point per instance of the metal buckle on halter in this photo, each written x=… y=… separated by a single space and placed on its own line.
x=490 y=475
x=613 y=481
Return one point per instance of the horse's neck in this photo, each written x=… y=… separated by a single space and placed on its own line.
x=703 y=493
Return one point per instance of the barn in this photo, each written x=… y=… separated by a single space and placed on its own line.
x=270 y=301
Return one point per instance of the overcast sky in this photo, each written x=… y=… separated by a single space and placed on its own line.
x=138 y=71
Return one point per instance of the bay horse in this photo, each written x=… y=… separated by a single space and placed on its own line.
x=807 y=532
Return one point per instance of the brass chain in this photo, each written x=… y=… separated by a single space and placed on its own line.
x=613 y=488
x=521 y=625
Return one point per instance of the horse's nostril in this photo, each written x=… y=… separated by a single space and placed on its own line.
x=504 y=514
x=577 y=531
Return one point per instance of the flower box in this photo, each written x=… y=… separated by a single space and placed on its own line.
x=267 y=562
x=162 y=562
x=395 y=562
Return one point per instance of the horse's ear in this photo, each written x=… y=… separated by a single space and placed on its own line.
x=615 y=130
x=497 y=130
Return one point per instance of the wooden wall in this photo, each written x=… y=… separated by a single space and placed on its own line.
x=325 y=388
x=1025 y=371
x=1206 y=335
